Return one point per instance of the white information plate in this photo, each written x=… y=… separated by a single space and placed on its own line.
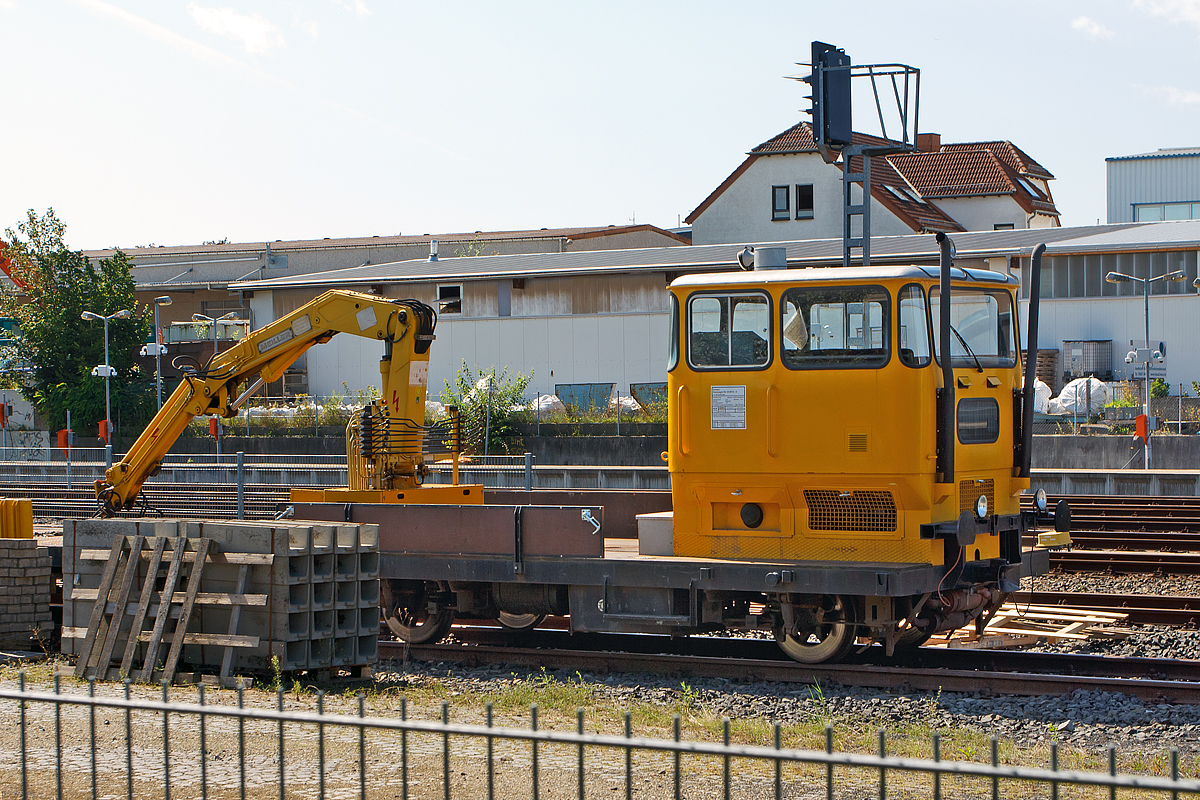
x=728 y=407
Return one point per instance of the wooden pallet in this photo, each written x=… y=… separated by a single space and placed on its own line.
x=1019 y=625
x=185 y=566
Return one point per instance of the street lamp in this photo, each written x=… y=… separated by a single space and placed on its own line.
x=157 y=348
x=1145 y=356
x=213 y=322
x=106 y=371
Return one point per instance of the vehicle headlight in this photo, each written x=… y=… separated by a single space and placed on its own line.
x=981 y=507
x=1040 y=502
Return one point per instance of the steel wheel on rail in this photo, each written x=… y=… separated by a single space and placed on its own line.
x=829 y=638
x=520 y=622
x=413 y=611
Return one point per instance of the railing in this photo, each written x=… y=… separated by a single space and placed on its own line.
x=77 y=745
x=497 y=472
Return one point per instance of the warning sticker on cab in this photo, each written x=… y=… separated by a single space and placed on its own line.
x=728 y=407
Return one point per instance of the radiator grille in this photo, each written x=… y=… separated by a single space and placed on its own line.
x=970 y=489
x=833 y=510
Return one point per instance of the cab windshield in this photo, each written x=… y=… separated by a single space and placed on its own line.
x=982 y=327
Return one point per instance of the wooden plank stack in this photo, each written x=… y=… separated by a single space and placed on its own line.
x=1020 y=625
x=25 y=587
x=222 y=598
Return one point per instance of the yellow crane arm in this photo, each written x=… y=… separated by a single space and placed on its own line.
x=404 y=326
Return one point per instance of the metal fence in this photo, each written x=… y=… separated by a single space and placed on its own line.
x=84 y=745
x=494 y=472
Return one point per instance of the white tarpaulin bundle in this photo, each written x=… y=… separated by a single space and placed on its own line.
x=625 y=403
x=1083 y=396
x=1041 y=397
x=548 y=404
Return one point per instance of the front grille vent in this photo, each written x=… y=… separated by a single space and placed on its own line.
x=970 y=489
x=833 y=510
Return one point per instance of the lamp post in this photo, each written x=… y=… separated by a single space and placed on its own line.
x=1145 y=356
x=213 y=322
x=106 y=371
x=157 y=348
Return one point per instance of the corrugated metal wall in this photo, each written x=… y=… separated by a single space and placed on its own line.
x=1151 y=180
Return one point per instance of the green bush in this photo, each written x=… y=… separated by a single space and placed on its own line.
x=1159 y=388
x=473 y=393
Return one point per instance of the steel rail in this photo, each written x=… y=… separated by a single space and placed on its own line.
x=749 y=660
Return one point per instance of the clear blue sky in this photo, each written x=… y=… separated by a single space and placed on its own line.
x=154 y=121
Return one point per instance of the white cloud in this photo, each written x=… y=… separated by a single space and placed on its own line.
x=1091 y=28
x=1174 y=96
x=7 y=5
x=310 y=27
x=1175 y=10
x=201 y=52
x=255 y=33
x=357 y=6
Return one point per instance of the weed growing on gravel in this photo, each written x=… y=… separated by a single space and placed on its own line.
x=542 y=688
x=823 y=713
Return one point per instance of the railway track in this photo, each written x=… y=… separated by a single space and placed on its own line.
x=1147 y=514
x=185 y=500
x=1158 y=680
x=1142 y=609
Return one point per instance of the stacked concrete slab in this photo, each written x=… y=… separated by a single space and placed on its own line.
x=25 y=586
x=321 y=586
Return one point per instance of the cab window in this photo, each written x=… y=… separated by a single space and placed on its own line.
x=914 y=326
x=673 y=336
x=981 y=327
x=832 y=327
x=729 y=331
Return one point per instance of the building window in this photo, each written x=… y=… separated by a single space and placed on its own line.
x=1082 y=276
x=1004 y=226
x=1158 y=212
x=504 y=299
x=449 y=298
x=804 y=201
x=779 y=203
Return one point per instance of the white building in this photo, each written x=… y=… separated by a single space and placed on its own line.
x=197 y=277
x=785 y=191
x=599 y=317
x=1153 y=187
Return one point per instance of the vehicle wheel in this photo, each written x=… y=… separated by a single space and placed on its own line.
x=520 y=622
x=409 y=615
x=833 y=636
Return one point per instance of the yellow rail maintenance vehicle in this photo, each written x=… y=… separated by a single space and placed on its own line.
x=810 y=424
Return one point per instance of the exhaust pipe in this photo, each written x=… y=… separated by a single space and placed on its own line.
x=946 y=407
x=1035 y=292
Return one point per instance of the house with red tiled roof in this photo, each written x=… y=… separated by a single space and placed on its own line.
x=785 y=190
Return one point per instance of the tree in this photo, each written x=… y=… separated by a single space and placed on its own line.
x=56 y=348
